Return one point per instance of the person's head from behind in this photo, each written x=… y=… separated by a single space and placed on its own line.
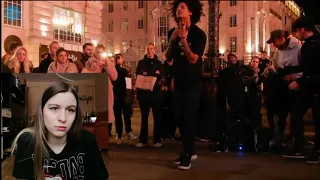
x=88 y=50
x=232 y=59
x=264 y=54
x=278 y=38
x=187 y=9
x=44 y=56
x=255 y=62
x=62 y=55
x=99 y=51
x=303 y=28
x=150 y=50
x=53 y=47
x=13 y=47
x=119 y=59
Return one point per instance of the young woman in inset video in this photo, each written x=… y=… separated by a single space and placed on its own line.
x=55 y=146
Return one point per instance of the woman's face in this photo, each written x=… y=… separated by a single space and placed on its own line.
x=98 y=53
x=21 y=55
x=255 y=62
x=59 y=114
x=62 y=57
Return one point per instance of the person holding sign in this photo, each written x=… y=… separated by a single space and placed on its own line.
x=149 y=94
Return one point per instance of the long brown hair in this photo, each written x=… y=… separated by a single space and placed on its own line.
x=39 y=131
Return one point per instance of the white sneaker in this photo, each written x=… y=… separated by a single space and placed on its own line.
x=119 y=140
x=193 y=157
x=157 y=145
x=139 y=145
x=131 y=136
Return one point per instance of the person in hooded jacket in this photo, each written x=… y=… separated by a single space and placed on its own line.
x=150 y=66
x=284 y=64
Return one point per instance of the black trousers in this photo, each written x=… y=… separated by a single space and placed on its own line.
x=186 y=110
x=302 y=102
x=156 y=106
x=278 y=108
x=120 y=108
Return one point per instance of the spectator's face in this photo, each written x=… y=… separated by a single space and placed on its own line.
x=99 y=53
x=62 y=57
x=53 y=48
x=264 y=55
x=120 y=60
x=255 y=62
x=299 y=34
x=21 y=55
x=150 y=51
x=183 y=11
x=233 y=60
x=88 y=51
x=278 y=43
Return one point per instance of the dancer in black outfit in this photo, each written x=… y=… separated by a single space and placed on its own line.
x=186 y=47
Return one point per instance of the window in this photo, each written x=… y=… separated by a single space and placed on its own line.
x=162 y=2
x=12 y=13
x=110 y=26
x=140 y=4
x=233 y=2
x=67 y=25
x=133 y=67
x=125 y=5
x=142 y=46
x=124 y=24
x=125 y=45
x=233 y=44
x=163 y=32
x=140 y=23
x=285 y=20
x=233 y=21
x=110 y=7
x=110 y=47
x=163 y=26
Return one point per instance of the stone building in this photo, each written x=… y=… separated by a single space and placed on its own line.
x=35 y=24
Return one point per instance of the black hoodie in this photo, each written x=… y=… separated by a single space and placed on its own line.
x=151 y=66
x=310 y=64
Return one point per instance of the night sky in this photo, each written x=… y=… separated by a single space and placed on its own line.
x=311 y=8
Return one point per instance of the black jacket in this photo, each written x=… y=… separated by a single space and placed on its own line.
x=44 y=65
x=310 y=64
x=119 y=86
x=151 y=66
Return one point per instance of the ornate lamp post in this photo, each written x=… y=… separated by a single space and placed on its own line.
x=213 y=33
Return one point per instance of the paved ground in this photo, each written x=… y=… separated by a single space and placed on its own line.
x=126 y=162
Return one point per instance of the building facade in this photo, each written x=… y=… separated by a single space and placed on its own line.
x=245 y=26
x=37 y=23
x=134 y=23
